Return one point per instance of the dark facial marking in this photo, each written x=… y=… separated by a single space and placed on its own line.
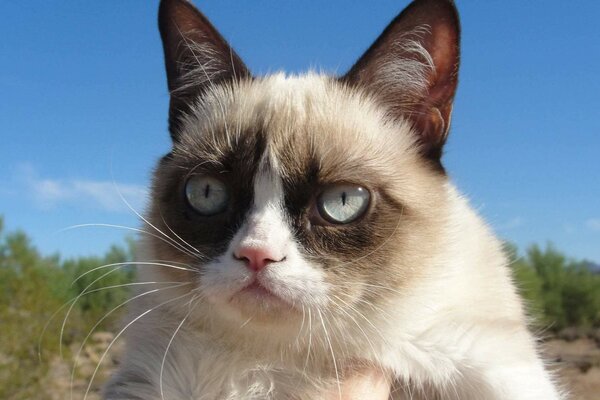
x=209 y=234
x=325 y=242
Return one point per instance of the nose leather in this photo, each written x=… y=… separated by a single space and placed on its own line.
x=257 y=258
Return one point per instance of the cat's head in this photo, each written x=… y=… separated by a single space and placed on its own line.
x=285 y=194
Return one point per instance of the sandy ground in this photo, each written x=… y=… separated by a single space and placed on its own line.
x=94 y=361
x=578 y=366
x=576 y=362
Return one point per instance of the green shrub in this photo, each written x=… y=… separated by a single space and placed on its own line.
x=32 y=288
x=559 y=292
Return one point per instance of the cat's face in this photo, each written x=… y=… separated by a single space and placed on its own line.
x=290 y=194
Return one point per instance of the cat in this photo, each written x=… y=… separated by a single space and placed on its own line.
x=300 y=224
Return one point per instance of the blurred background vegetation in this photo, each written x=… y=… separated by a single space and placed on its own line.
x=32 y=288
x=560 y=292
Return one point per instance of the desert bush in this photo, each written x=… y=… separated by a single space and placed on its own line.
x=560 y=292
x=32 y=288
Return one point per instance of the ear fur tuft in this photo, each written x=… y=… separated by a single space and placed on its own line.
x=196 y=57
x=412 y=68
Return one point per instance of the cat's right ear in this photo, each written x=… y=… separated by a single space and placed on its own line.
x=196 y=57
x=412 y=68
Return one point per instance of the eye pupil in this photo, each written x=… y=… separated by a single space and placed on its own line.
x=206 y=194
x=343 y=203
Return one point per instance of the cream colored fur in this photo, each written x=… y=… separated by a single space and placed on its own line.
x=457 y=330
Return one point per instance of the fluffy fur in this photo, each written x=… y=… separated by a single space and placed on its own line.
x=419 y=286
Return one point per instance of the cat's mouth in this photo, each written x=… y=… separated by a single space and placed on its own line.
x=259 y=295
x=258 y=290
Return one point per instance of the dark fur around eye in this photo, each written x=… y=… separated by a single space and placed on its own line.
x=326 y=243
x=172 y=212
x=338 y=242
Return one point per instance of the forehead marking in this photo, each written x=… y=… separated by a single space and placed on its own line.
x=268 y=188
x=266 y=222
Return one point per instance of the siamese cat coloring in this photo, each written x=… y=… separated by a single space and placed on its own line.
x=301 y=224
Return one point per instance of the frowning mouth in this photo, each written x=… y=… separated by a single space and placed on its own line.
x=260 y=294
x=259 y=291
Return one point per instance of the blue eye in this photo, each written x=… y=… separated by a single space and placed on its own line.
x=342 y=204
x=206 y=194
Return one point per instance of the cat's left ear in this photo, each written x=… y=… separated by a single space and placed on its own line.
x=196 y=57
x=412 y=68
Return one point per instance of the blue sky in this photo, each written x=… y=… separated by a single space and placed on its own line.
x=83 y=108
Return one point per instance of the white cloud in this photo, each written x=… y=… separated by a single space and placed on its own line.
x=593 y=224
x=105 y=195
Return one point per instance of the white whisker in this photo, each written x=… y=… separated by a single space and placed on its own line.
x=62 y=328
x=162 y=364
x=168 y=240
x=134 y=263
x=309 y=347
x=177 y=236
x=75 y=362
x=335 y=367
x=119 y=335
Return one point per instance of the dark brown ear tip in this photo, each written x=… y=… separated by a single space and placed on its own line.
x=165 y=14
x=168 y=8
x=171 y=10
x=450 y=3
x=445 y=8
x=166 y=4
x=450 y=8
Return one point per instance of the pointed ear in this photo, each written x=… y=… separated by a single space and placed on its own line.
x=196 y=57
x=412 y=68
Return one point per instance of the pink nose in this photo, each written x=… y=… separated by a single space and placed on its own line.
x=256 y=258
